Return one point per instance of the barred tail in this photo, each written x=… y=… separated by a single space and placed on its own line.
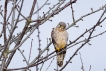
x=60 y=58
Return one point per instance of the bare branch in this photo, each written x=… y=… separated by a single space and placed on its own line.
x=4 y=26
x=90 y=68
x=82 y=63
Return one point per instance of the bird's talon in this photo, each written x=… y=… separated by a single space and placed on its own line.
x=63 y=46
x=57 y=49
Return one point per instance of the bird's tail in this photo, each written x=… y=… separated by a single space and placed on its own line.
x=60 y=59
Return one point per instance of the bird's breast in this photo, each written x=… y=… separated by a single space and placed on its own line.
x=61 y=38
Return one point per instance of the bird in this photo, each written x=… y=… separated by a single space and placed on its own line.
x=59 y=37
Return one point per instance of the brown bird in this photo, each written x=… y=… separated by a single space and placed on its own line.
x=59 y=38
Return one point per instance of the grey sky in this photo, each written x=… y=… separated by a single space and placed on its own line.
x=94 y=55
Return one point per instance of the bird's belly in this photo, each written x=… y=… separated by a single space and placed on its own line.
x=61 y=41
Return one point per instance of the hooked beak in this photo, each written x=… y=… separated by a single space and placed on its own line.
x=61 y=27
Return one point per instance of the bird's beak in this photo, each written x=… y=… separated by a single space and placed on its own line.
x=61 y=27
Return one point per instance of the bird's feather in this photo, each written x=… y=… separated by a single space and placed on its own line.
x=59 y=39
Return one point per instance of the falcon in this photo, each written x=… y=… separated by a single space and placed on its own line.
x=59 y=37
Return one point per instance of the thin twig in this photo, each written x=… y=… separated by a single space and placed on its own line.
x=82 y=67
x=42 y=66
x=72 y=12
x=49 y=64
x=13 y=15
x=30 y=51
x=32 y=9
x=5 y=22
x=90 y=68
x=23 y=57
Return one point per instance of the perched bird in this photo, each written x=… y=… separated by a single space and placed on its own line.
x=59 y=37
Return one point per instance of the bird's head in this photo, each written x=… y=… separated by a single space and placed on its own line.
x=61 y=25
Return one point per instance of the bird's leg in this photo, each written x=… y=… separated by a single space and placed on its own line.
x=57 y=49
x=63 y=46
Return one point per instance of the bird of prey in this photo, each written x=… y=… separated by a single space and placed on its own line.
x=59 y=37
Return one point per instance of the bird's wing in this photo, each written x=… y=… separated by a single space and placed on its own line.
x=53 y=36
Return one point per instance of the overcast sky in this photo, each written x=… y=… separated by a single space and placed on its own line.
x=94 y=55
